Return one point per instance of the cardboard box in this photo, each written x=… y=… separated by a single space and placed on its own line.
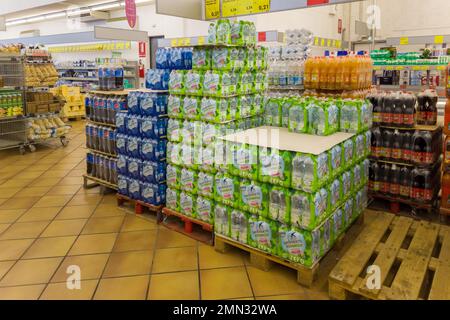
x=53 y=107
x=31 y=107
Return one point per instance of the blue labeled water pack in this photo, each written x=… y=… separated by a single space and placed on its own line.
x=121 y=122
x=154 y=128
x=160 y=150
x=162 y=58
x=134 y=189
x=134 y=168
x=121 y=144
x=157 y=79
x=147 y=150
x=122 y=165
x=133 y=149
x=162 y=100
x=153 y=172
x=133 y=122
x=122 y=185
x=148 y=193
x=133 y=102
x=148 y=104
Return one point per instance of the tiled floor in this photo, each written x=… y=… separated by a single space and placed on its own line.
x=48 y=222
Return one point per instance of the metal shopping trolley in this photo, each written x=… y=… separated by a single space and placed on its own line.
x=13 y=133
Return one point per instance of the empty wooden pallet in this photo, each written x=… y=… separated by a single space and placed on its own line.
x=412 y=257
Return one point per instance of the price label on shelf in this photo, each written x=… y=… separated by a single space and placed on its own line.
x=231 y=8
x=439 y=39
x=201 y=41
x=173 y=42
x=212 y=9
x=316 y=41
x=404 y=41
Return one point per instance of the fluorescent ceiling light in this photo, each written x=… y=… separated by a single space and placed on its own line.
x=55 y=15
x=16 y=22
x=38 y=18
x=77 y=12
x=106 y=6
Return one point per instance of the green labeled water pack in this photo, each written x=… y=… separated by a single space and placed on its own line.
x=351 y=119
x=222 y=220
x=226 y=189
x=286 y=105
x=246 y=82
x=260 y=58
x=258 y=104
x=348 y=154
x=205 y=158
x=368 y=140
x=348 y=212
x=259 y=81
x=174 y=129
x=338 y=224
x=298 y=117
x=273 y=112
x=280 y=204
x=236 y=63
x=223 y=31
x=254 y=197
x=233 y=108
x=245 y=106
x=237 y=32
x=212 y=39
x=244 y=160
x=191 y=133
x=326 y=236
x=336 y=194
x=222 y=155
x=174 y=107
x=366 y=115
x=205 y=210
x=227 y=84
x=322 y=117
x=335 y=157
x=173 y=176
x=173 y=153
x=360 y=147
x=357 y=177
x=310 y=172
x=239 y=226
x=177 y=81
x=173 y=199
x=275 y=166
x=296 y=245
x=221 y=58
x=309 y=209
x=191 y=108
x=346 y=182
x=188 y=180
x=194 y=82
x=263 y=234
x=211 y=83
x=205 y=184
x=201 y=58
x=187 y=204
x=365 y=166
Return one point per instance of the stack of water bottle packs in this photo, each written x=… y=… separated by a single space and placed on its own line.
x=318 y=116
x=141 y=144
x=103 y=108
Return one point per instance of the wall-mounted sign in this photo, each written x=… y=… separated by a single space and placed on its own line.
x=130 y=11
x=142 y=49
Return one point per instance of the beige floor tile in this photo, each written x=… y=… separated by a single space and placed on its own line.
x=127 y=288
x=49 y=247
x=210 y=259
x=59 y=291
x=71 y=181
x=5 y=266
x=25 y=230
x=53 y=201
x=45 y=182
x=64 y=190
x=166 y=286
x=95 y=190
x=175 y=259
x=170 y=239
x=11 y=215
x=297 y=296
x=75 y=212
x=4 y=226
x=108 y=211
x=133 y=241
x=36 y=271
x=29 y=175
x=123 y=264
x=13 y=183
x=64 y=167
x=22 y=292
x=56 y=173
x=59 y=228
x=277 y=281
x=19 y=203
x=38 y=167
x=39 y=214
x=2 y=201
x=32 y=192
x=91 y=267
x=9 y=192
x=76 y=173
x=103 y=225
x=133 y=223
x=110 y=199
x=85 y=200
x=93 y=243
x=14 y=249
x=226 y=283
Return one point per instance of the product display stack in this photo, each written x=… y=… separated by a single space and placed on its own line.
x=445 y=196
x=406 y=149
x=222 y=94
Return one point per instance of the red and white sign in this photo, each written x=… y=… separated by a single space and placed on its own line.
x=340 y=26
x=142 y=49
x=316 y=2
x=130 y=11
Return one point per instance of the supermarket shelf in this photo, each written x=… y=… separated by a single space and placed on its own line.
x=299 y=88
x=148 y=90
x=78 y=79
x=415 y=204
x=409 y=67
x=416 y=127
x=100 y=181
x=111 y=93
x=401 y=163
x=101 y=123
x=77 y=68
x=103 y=153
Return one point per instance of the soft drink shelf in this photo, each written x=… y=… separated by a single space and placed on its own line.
x=148 y=90
x=415 y=204
x=111 y=93
x=103 y=153
x=400 y=163
x=102 y=123
x=416 y=127
x=99 y=181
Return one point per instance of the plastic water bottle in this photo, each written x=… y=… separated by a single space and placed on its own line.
x=118 y=75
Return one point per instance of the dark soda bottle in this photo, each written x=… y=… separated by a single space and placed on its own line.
x=421 y=109
x=376 y=143
x=405 y=182
x=90 y=163
x=385 y=180
x=387 y=110
x=432 y=111
x=394 y=187
x=418 y=185
x=419 y=147
x=409 y=110
x=397 y=110
x=406 y=146
x=429 y=154
x=387 y=143
x=374 y=177
x=118 y=75
x=397 y=143
x=377 y=116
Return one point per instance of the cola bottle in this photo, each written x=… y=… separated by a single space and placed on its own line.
x=394 y=187
x=387 y=110
x=397 y=111
x=397 y=145
x=409 y=110
x=405 y=182
x=387 y=143
x=406 y=146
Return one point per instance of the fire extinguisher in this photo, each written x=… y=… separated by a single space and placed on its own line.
x=141 y=69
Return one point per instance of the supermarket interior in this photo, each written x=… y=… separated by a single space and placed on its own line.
x=224 y=150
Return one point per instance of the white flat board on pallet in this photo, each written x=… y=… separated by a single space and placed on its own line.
x=282 y=139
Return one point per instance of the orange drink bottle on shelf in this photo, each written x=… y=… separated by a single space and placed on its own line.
x=315 y=73
x=323 y=74
x=353 y=66
x=307 y=73
x=332 y=74
x=346 y=72
x=339 y=82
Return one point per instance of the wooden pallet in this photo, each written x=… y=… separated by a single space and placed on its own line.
x=139 y=205
x=395 y=203
x=96 y=183
x=193 y=228
x=413 y=259
x=264 y=261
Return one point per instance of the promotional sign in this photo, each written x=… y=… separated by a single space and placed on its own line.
x=130 y=11
x=142 y=49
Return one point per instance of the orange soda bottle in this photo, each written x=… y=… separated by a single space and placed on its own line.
x=339 y=83
x=332 y=73
x=307 y=73
x=323 y=75
x=315 y=73
x=354 y=76
x=346 y=83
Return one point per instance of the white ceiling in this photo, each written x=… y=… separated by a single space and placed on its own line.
x=49 y=8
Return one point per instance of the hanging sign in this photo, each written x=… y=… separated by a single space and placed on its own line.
x=130 y=11
x=212 y=9
x=142 y=49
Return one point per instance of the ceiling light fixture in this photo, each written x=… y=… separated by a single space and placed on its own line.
x=106 y=6
x=34 y=19
x=55 y=15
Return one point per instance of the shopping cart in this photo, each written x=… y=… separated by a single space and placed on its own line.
x=13 y=133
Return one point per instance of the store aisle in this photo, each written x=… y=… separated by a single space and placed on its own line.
x=49 y=222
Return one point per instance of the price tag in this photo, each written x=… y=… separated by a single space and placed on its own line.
x=230 y=8
x=322 y=42
x=439 y=39
x=128 y=45
x=338 y=44
x=404 y=41
x=328 y=42
x=173 y=42
x=316 y=41
x=440 y=68
x=261 y=6
x=120 y=45
x=187 y=41
x=201 y=41
x=390 y=68
x=212 y=9
x=399 y=68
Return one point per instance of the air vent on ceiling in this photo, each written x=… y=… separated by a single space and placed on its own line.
x=94 y=16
